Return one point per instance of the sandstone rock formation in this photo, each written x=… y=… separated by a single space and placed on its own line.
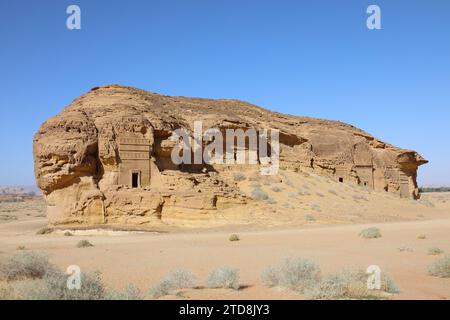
x=105 y=159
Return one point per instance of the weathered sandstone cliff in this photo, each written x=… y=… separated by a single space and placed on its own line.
x=105 y=159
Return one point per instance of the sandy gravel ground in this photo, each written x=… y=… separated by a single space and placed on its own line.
x=142 y=258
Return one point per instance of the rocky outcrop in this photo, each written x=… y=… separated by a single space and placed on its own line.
x=106 y=158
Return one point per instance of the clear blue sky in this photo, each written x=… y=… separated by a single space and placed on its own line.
x=314 y=58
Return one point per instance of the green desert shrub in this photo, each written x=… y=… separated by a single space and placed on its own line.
x=435 y=251
x=421 y=237
x=84 y=244
x=179 y=279
x=224 y=277
x=309 y=217
x=440 y=268
x=234 y=237
x=25 y=265
x=276 y=189
x=259 y=194
x=68 y=234
x=370 y=233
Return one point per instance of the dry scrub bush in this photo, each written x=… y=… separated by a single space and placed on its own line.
x=440 y=268
x=303 y=276
x=259 y=194
x=25 y=265
x=44 y=230
x=294 y=273
x=131 y=292
x=84 y=244
x=30 y=276
x=224 y=277
x=53 y=286
x=435 y=251
x=349 y=285
x=176 y=280
x=370 y=233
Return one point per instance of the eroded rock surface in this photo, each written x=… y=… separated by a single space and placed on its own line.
x=105 y=159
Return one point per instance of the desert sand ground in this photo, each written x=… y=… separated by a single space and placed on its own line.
x=143 y=258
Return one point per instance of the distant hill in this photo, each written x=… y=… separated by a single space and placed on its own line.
x=29 y=191
x=435 y=189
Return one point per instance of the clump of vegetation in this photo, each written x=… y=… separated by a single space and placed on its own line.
x=294 y=273
x=30 y=276
x=259 y=194
x=276 y=189
x=84 y=244
x=370 y=233
x=25 y=265
x=349 y=284
x=440 y=268
x=234 y=237
x=45 y=230
x=68 y=234
x=53 y=286
x=270 y=277
x=176 y=280
x=304 y=276
x=224 y=277
x=316 y=207
x=160 y=289
x=435 y=251
x=131 y=292
x=309 y=217
x=421 y=237
x=239 y=176
x=20 y=248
